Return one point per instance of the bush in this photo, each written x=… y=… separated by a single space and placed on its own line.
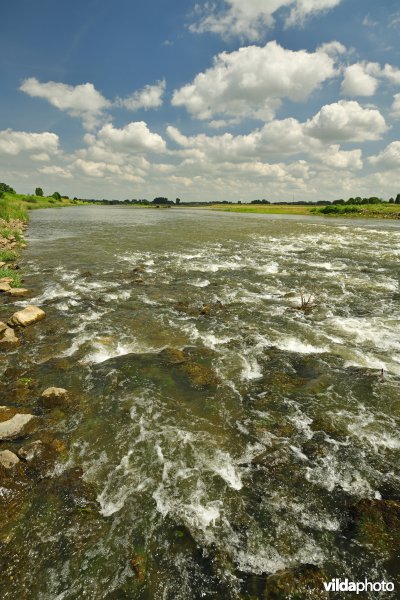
x=7 y=255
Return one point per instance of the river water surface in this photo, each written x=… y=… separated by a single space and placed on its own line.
x=225 y=432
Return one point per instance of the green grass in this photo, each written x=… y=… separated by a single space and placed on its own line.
x=7 y=255
x=373 y=211
x=16 y=279
x=271 y=209
x=16 y=206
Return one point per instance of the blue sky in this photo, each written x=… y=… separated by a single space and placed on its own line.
x=224 y=100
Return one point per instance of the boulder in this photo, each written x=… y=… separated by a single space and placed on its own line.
x=7 y=336
x=6 y=279
x=54 y=397
x=3 y=327
x=8 y=459
x=15 y=427
x=29 y=315
x=5 y=287
x=18 y=292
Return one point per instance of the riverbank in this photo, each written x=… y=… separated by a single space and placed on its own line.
x=365 y=211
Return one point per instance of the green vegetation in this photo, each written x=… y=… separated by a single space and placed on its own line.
x=7 y=255
x=271 y=209
x=16 y=206
x=16 y=279
x=38 y=191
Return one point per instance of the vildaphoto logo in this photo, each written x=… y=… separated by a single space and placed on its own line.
x=344 y=585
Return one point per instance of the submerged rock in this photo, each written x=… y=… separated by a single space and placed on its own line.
x=376 y=523
x=8 y=459
x=29 y=315
x=302 y=583
x=54 y=397
x=199 y=375
x=18 y=426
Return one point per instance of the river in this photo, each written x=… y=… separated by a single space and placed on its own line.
x=223 y=433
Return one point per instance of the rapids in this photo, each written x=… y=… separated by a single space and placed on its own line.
x=236 y=454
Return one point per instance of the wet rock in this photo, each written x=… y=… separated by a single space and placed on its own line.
x=8 y=459
x=6 y=279
x=54 y=397
x=302 y=583
x=199 y=375
x=316 y=447
x=8 y=337
x=18 y=426
x=139 y=280
x=17 y=292
x=172 y=356
x=138 y=565
x=284 y=430
x=3 y=327
x=138 y=269
x=376 y=523
x=5 y=287
x=29 y=315
x=74 y=491
x=86 y=274
x=2 y=264
x=39 y=458
x=323 y=423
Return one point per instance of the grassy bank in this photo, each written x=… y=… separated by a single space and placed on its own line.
x=372 y=211
x=16 y=206
x=14 y=210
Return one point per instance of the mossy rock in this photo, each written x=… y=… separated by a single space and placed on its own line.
x=323 y=423
x=199 y=375
x=172 y=356
x=302 y=583
x=376 y=523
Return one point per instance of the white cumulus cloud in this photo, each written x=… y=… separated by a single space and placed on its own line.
x=389 y=158
x=253 y=80
x=357 y=82
x=82 y=101
x=134 y=137
x=149 y=97
x=346 y=121
x=249 y=18
x=14 y=142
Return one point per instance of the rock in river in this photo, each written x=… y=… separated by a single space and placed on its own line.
x=8 y=459
x=7 y=336
x=17 y=292
x=5 y=287
x=29 y=315
x=54 y=396
x=15 y=427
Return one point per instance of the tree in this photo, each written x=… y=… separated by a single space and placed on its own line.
x=38 y=192
x=56 y=196
x=397 y=201
x=178 y=201
x=161 y=200
x=6 y=188
x=391 y=200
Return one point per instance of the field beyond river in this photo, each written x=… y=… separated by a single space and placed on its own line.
x=231 y=428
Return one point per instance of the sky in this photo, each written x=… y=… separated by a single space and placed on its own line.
x=209 y=100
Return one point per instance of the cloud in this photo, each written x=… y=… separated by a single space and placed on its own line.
x=133 y=137
x=252 y=81
x=56 y=171
x=389 y=158
x=15 y=142
x=395 y=111
x=346 y=121
x=357 y=82
x=249 y=19
x=149 y=97
x=82 y=101
x=361 y=79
